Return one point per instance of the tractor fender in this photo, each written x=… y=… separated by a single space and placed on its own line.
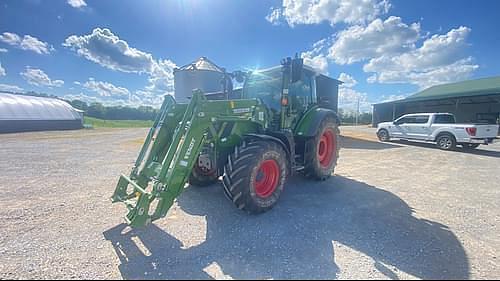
x=277 y=140
x=308 y=125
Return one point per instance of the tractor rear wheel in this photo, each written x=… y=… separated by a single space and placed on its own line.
x=255 y=174
x=322 y=151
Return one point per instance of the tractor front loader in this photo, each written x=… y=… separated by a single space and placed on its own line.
x=281 y=122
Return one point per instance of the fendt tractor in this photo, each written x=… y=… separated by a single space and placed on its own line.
x=281 y=121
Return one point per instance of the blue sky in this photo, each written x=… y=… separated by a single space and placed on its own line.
x=124 y=52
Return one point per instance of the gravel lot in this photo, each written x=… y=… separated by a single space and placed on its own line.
x=393 y=210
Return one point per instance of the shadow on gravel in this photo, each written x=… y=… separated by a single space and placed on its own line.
x=476 y=151
x=354 y=143
x=295 y=240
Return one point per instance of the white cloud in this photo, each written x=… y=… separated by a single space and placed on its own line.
x=161 y=78
x=275 y=16
x=332 y=11
x=316 y=58
x=28 y=43
x=349 y=98
x=107 y=49
x=2 y=50
x=106 y=89
x=77 y=3
x=11 y=88
x=318 y=62
x=37 y=77
x=348 y=80
x=91 y=98
x=103 y=92
x=10 y=38
x=439 y=60
x=147 y=98
x=392 y=98
x=139 y=98
x=387 y=37
x=2 y=70
x=395 y=52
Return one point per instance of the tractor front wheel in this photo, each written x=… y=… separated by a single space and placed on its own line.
x=255 y=174
x=322 y=151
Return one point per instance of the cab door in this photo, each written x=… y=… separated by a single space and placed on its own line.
x=399 y=128
x=301 y=98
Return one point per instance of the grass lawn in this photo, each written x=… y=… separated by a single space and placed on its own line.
x=99 y=123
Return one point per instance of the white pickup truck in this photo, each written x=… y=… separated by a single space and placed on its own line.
x=440 y=128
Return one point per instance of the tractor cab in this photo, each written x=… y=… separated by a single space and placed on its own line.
x=289 y=95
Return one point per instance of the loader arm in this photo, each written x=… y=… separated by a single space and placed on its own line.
x=171 y=149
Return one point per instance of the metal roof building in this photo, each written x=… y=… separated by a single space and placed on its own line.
x=19 y=113
x=472 y=101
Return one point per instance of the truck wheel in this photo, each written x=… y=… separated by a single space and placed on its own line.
x=204 y=172
x=383 y=135
x=322 y=151
x=255 y=174
x=470 y=145
x=446 y=142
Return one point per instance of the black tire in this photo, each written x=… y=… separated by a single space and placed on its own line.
x=446 y=142
x=470 y=145
x=316 y=166
x=243 y=175
x=383 y=135
x=201 y=178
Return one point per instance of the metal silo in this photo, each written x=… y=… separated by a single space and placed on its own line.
x=201 y=74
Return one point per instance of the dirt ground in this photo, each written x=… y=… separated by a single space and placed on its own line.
x=393 y=210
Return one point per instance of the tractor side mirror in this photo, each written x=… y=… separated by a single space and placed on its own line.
x=297 y=66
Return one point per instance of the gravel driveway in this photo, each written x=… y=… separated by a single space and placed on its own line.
x=393 y=210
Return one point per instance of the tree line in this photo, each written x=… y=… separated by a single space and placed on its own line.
x=349 y=117
x=98 y=110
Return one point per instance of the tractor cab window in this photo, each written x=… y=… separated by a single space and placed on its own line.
x=300 y=93
x=266 y=86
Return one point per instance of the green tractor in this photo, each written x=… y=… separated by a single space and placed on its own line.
x=282 y=121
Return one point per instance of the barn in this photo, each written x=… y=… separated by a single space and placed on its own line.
x=472 y=101
x=19 y=113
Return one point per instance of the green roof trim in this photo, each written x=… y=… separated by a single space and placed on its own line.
x=477 y=87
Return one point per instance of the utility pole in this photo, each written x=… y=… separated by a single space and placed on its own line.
x=357 y=113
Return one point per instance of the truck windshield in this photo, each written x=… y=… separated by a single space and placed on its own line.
x=265 y=85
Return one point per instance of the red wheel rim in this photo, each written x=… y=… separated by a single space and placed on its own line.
x=267 y=178
x=326 y=148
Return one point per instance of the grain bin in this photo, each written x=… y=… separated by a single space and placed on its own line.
x=201 y=74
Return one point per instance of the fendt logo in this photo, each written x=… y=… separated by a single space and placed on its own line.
x=190 y=149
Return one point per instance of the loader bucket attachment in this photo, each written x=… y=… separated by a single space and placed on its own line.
x=137 y=202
